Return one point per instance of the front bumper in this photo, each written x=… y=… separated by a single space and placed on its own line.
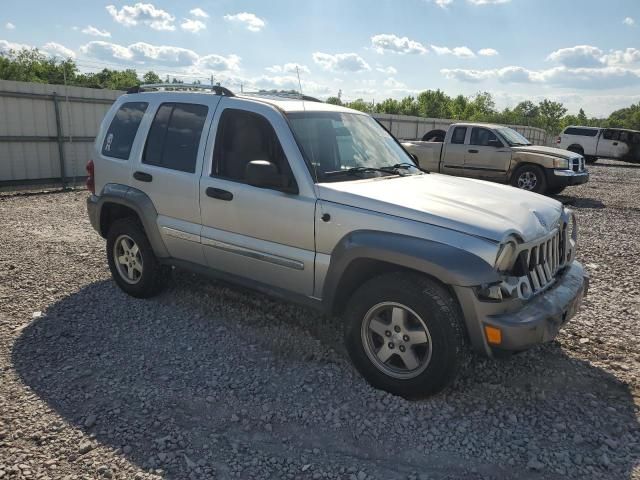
x=566 y=178
x=536 y=321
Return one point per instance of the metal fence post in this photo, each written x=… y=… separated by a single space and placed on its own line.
x=63 y=176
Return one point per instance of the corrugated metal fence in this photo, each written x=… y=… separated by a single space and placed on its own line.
x=46 y=131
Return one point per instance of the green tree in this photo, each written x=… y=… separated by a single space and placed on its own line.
x=389 y=105
x=334 y=101
x=551 y=114
x=151 y=77
x=32 y=66
x=434 y=104
x=361 y=105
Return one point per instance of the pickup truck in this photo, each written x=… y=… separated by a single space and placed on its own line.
x=594 y=142
x=319 y=204
x=500 y=154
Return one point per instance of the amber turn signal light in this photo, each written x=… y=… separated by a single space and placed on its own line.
x=493 y=334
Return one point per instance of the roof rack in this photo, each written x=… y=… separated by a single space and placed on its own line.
x=217 y=89
x=291 y=96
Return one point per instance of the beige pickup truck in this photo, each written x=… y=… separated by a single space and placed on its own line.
x=500 y=154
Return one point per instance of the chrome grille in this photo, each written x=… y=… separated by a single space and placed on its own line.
x=577 y=164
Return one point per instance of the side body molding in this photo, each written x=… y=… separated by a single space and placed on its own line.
x=139 y=202
x=448 y=264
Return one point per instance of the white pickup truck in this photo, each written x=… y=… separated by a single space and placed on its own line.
x=595 y=142
x=500 y=154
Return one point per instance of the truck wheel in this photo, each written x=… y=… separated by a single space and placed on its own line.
x=590 y=160
x=404 y=334
x=531 y=178
x=576 y=149
x=134 y=266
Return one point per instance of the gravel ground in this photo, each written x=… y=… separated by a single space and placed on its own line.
x=207 y=381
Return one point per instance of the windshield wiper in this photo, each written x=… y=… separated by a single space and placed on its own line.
x=405 y=166
x=356 y=170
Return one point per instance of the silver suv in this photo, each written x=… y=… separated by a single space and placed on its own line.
x=318 y=204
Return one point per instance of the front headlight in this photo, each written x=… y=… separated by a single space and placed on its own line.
x=562 y=163
x=506 y=256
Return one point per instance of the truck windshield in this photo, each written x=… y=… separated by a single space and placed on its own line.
x=513 y=138
x=347 y=146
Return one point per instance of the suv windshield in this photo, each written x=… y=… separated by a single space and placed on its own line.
x=513 y=138
x=346 y=146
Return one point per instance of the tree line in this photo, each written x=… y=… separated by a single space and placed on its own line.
x=30 y=65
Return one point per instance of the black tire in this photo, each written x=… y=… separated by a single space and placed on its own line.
x=153 y=276
x=555 y=190
x=576 y=149
x=530 y=170
x=590 y=160
x=434 y=136
x=441 y=315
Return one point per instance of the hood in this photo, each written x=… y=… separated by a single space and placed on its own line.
x=474 y=207
x=552 y=152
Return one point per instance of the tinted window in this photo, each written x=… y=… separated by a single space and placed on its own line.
x=611 y=135
x=624 y=136
x=243 y=137
x=482 y=137
x=458 y=135
x=585 y=132
x=174 y=136
x=122 y=131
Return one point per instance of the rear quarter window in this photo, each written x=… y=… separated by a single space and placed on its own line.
x=123 y=129
x=584 y=132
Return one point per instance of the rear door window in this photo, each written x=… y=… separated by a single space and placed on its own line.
x=174 y=136
x=458 y=135
x=611 y=135
x=123 y=129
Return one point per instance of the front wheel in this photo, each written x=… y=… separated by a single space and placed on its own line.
x=531 y=178
x=404 y=334
x=590 y=160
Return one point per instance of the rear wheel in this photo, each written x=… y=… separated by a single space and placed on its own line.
x=531 y=178
x=590 y=160
x=134 y=266
x=404 y=334
x=576 y=149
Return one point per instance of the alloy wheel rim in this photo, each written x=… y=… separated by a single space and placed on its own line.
x=128 y=259
x=396 y=340
x=527 y=181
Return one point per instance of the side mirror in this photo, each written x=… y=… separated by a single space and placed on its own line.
x=494 y=142
x=264 y=174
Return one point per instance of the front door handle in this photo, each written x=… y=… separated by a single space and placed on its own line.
x=473 y=151
x=219 y=194
x=142 y=176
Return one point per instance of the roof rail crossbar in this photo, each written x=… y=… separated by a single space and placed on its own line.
x=217 y=89
x=292 y=96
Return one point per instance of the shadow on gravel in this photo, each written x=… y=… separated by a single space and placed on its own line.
x=162 y=379
x=614 y=165
x=581 y=202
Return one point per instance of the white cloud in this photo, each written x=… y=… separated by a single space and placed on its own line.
x=9 y=26
x=249 y=20
x=285 y=82
x=586 y=78
x=462 y=52
x=630 y=56
x=341 y=62
x=56 y=50
x=288 y=68
x=389 y=42
x=630 y=22
x=580 y=56
x=394 y=84
x=147 y=54
x=387 y=70
x=95 y=32
x=142 y=13
x=192 y=25
x=198 y=12
x=488 y=52
x=6 y=46
x=443 y=3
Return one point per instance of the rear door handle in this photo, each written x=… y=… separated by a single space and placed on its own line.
x=142 y=176
x=615 y=143
x=473 y=151
x=219 y=194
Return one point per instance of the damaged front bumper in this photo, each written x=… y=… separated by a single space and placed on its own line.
x=523 y=324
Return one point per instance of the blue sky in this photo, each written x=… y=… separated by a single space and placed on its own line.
x=584 y=53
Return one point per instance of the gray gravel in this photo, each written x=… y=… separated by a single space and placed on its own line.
x=208 y=381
